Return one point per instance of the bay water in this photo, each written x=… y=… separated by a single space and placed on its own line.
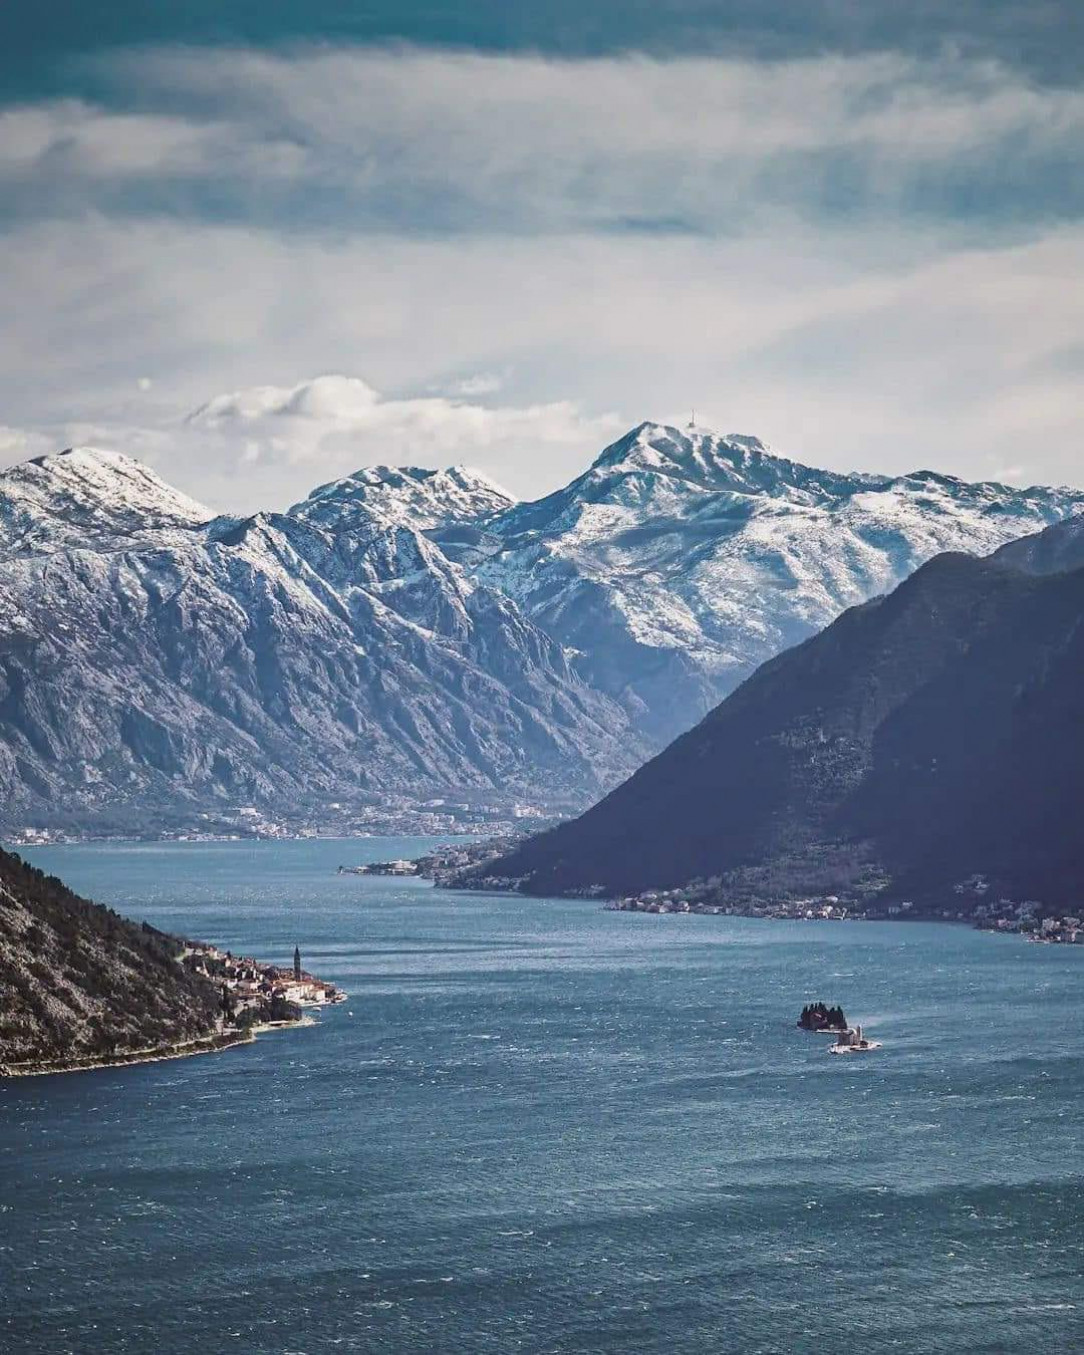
x=539 y=1126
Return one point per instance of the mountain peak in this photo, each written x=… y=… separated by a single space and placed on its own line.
x=692 y=448
x=111 y=476
x=65 y=498
x=413 y=496
x=694 y=459
x=82 y=456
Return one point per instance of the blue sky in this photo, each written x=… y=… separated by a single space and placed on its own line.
x=508 y=232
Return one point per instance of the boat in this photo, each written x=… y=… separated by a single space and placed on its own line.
x=853 y=1042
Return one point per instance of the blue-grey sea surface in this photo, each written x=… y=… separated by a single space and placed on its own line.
x=538 y=1126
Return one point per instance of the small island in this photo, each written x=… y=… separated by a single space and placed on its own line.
x=822 y=1019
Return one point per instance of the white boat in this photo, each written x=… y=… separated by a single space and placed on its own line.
x=853 y=1042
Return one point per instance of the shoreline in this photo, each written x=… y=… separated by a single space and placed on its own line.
x=210 y=1044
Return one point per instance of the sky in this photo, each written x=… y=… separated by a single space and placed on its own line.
x=259 y=245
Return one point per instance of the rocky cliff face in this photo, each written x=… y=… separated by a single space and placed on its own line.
x=151 y=654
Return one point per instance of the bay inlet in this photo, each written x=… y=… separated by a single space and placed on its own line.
x=539 y=1126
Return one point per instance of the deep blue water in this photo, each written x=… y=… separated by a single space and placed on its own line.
x=537 y=1126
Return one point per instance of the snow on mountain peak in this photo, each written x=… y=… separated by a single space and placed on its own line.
x=695 y=459
x=411 y=495
x=694 y=556
x=69 y=498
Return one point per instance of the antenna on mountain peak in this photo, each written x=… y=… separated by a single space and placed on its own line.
x=692 y=419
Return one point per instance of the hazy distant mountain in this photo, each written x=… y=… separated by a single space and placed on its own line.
x=151 y=654
x=921 y=739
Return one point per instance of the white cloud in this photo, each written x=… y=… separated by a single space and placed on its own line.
x=482 y=383
x=840 y=350
x=840 y=277
x=267 y=446
x=330 y=425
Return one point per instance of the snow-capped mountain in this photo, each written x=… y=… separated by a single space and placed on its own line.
x=151 y=654
x=423 y=499
x=86 y=496
x=414 y=631
x=682 y=559
x=928 y=739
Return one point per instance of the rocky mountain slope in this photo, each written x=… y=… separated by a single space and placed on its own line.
x=681 y=560
x=921 y=740
x=152 y=655
x=78 y=982
x=405 y=631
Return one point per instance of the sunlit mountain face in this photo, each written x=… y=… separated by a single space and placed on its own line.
x=406 y=631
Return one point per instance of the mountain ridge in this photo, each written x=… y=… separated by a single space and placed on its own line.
x=673 y=587
x=154 y=659
x=922 y=740
x=406 y=631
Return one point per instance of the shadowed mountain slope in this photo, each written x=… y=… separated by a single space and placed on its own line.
x=77 y=981
x=920 y=739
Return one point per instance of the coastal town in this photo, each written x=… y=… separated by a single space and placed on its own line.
x=255 y=993
x=679 y=901
x=1026 y=919
x=391 y=816
x=1064 y=931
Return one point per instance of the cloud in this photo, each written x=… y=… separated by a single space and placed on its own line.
x=1042 y=38
x=482 y=383
x=288 y=439
x=423 y=141
x=843 y=350
x=871 y=261
x=330 y=425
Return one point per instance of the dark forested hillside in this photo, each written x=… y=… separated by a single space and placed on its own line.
x=77 y=981
x=923 y=738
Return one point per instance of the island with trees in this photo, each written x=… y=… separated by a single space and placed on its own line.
x=822 y=1019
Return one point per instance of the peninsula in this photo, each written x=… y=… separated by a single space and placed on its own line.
x=82 y=987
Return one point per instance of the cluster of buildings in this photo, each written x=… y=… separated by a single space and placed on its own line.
x=394 y=816
x=680 y=901
x=1005 y=915
x=1062 y=930
x=399 y=867
x=252 y=986
x=1067 y=930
